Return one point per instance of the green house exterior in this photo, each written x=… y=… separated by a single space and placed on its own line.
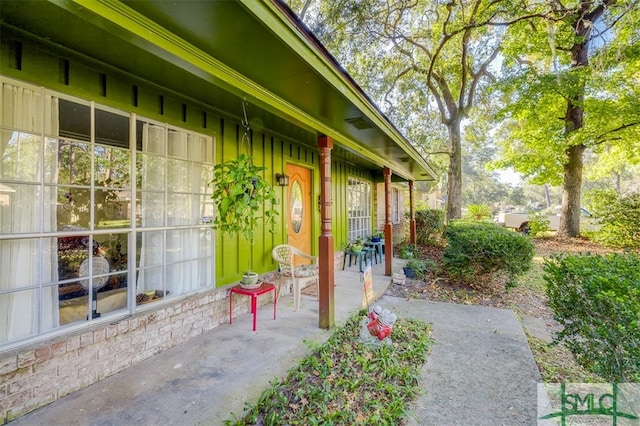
x=113 y=115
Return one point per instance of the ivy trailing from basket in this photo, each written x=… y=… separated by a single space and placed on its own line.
x=243 y=198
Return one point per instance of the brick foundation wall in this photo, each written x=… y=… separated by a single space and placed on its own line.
x=36 y=375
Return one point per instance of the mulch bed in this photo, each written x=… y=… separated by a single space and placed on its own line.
x=489 y=290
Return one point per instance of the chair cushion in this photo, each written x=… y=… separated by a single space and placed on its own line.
x=304 y=271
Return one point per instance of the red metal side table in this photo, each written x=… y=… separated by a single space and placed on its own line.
x=254 y=293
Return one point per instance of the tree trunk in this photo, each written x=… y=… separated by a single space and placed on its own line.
x=616 y=183
x=572 y=184
x=454 y=177
x=571 y=193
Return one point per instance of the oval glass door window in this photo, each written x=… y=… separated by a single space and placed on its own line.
x=296 y=206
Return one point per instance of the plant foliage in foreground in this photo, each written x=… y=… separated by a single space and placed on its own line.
x=346 y=382
x=596 y=299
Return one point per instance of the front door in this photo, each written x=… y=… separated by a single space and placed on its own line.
x=299 y=208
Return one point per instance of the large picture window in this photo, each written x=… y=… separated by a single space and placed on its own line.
x=359 y=209
x=101 y=212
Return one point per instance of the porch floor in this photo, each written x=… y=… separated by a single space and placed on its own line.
x=481 y=370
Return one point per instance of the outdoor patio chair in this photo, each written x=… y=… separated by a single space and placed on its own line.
x=292 y=269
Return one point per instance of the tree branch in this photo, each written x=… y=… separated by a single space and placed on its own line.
x=602 y=138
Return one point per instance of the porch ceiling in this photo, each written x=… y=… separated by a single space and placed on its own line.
x=220 y=52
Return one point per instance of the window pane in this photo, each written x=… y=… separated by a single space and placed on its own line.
x=72 y=251
x=206 y=176
x=151 y=249
x=177 y=144
x=112 y=129
x=151 y=137
x=151 y=172
x=179 y=176
x=21 y=157
x=206 y=209
x=359 y=209
x=112 y=208
x=179 y=210
x=67 y=162
x=203 y=276
x=74 y=308
x=21 y=209
x=112 y=167
x=19 y=319
x=178 y=245
x=73 y=209
x=152 y=209
x=17 y=274
x=114 y=247
x=75 y=120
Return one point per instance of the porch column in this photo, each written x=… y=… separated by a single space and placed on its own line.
x=412 y=219
x=388 y=227
x=326 y=252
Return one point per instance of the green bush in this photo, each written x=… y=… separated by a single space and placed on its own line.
x=619 y=219
x=478 y=212
x=538 y=224
x=477 y=248
x=407 y=251
x=597 y=301
x=420 y=266
x=429 y=226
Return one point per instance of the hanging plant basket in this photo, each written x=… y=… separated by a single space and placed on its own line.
x=244 y=201
x=243 y=198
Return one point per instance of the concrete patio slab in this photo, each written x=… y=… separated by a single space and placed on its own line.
x=481 y=370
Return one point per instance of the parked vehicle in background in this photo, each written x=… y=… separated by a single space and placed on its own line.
x=519 y=220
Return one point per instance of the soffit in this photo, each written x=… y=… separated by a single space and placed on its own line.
x=221 y=52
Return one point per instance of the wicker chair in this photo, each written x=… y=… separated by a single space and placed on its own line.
x=300 y=274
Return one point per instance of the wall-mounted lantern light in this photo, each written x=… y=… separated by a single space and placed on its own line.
x=282 y=179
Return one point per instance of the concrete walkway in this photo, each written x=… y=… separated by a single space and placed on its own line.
x=481 y=370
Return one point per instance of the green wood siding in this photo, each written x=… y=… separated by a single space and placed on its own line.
x=340 y=174
x=66 y=73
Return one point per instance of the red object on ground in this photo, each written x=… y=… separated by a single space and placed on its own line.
x=254 y=293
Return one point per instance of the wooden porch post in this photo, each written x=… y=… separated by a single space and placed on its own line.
x=412 y=219
x=388 y=227
x=326 y=253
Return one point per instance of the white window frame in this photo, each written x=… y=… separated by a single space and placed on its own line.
x=359 y=208
x=199 y=195
x=395 y=205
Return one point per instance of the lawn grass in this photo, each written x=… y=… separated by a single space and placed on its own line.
x=345 y=382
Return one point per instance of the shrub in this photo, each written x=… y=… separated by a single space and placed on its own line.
x=477 y=248
x=429 y=226
x=619 y=219
x=419 y=266
x=407 y=251
x=538 y=224
x=478 y=212
x=597 y=301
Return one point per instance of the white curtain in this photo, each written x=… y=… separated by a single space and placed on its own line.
x=154 y=141
x=26 y=207
x=179 y=246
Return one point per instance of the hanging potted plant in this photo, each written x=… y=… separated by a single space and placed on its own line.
x=243 y=200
